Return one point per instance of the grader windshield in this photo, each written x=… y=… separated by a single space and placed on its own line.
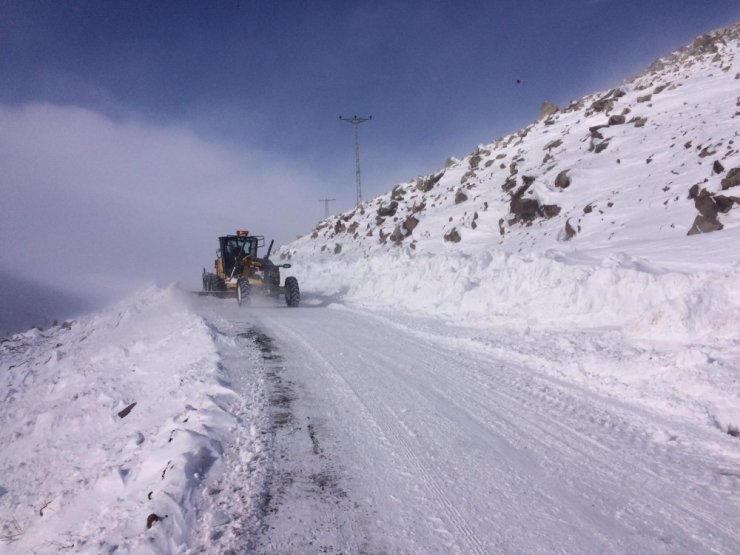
x=234 y=247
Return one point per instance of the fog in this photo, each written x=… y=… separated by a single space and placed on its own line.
x=98 y=207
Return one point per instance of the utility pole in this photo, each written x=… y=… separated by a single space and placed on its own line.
x=356 y=121
x=326 y=202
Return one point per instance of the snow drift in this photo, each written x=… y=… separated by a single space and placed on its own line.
x=114 y=424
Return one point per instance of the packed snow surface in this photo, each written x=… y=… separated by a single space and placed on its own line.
x=485 y=360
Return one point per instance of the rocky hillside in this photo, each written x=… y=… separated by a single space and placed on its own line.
x=654 y=158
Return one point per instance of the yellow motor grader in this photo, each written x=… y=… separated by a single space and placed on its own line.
x=239 y=271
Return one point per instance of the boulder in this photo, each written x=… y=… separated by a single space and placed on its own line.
x=387 y=211
x=339 y=226
x=509 y=184
x=724 y=204
x=602 y=105
x=452 y=236
x=460 y=196
x=599 y=147
x=694 y=191
x=562 y=181
x=594 y=130
x=705 y=204
x=425 y=184
x=520 y=191
x=617 y=119
x=397 y=193
x=732 y=179
x=397 y=236
x=337 y=248
x=528 y=179
x=704 y=225
x=410 y=224
x=552 y=144
x=568 y=231
x=645 y=98
x=524 y=209
x=550 y=210
x=717 y=167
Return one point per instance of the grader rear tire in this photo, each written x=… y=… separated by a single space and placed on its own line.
x=292 y=292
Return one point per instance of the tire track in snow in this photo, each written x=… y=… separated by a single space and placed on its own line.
x=390 y=427
x=593 y=462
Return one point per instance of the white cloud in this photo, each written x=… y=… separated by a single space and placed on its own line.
x=91 y=204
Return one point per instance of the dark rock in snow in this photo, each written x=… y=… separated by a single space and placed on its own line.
x=645 y=98
x=704 y=225
x=717 y=167
x=588 y=209
x=705 y=204
x=724 y=204
x=125 y=412
x=562 y=181
x=602 y=105
x=452 y=236
x=694 y=191
x=568 y=232
x=594 y=130
x=410 y=224
x=601 y=146
x=617 y=120
x=397 y=236
x=509 y=184
x=732 y=179
x=460 y=196
x=552 y=144
x=524 y=209
x=387 y=211
x=520 y=191
x=528 y=180
x=397 y=193
x=550 y=210
x=425 y=185
x=337 y=248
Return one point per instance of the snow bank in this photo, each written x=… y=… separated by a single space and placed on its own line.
x=553 y=289
x=109 y=427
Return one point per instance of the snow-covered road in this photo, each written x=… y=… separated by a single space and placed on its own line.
x=392 y=434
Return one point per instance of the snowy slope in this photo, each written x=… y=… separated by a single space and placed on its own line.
x=579 y=219
x=78 y=472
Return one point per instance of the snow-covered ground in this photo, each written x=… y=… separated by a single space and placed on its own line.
x=119 y=416
x=331 y=428
x=492 y=364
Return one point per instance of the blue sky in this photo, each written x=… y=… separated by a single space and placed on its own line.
x=250 y=93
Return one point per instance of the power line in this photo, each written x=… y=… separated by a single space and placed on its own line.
x=326 y=202
x=356 y=121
